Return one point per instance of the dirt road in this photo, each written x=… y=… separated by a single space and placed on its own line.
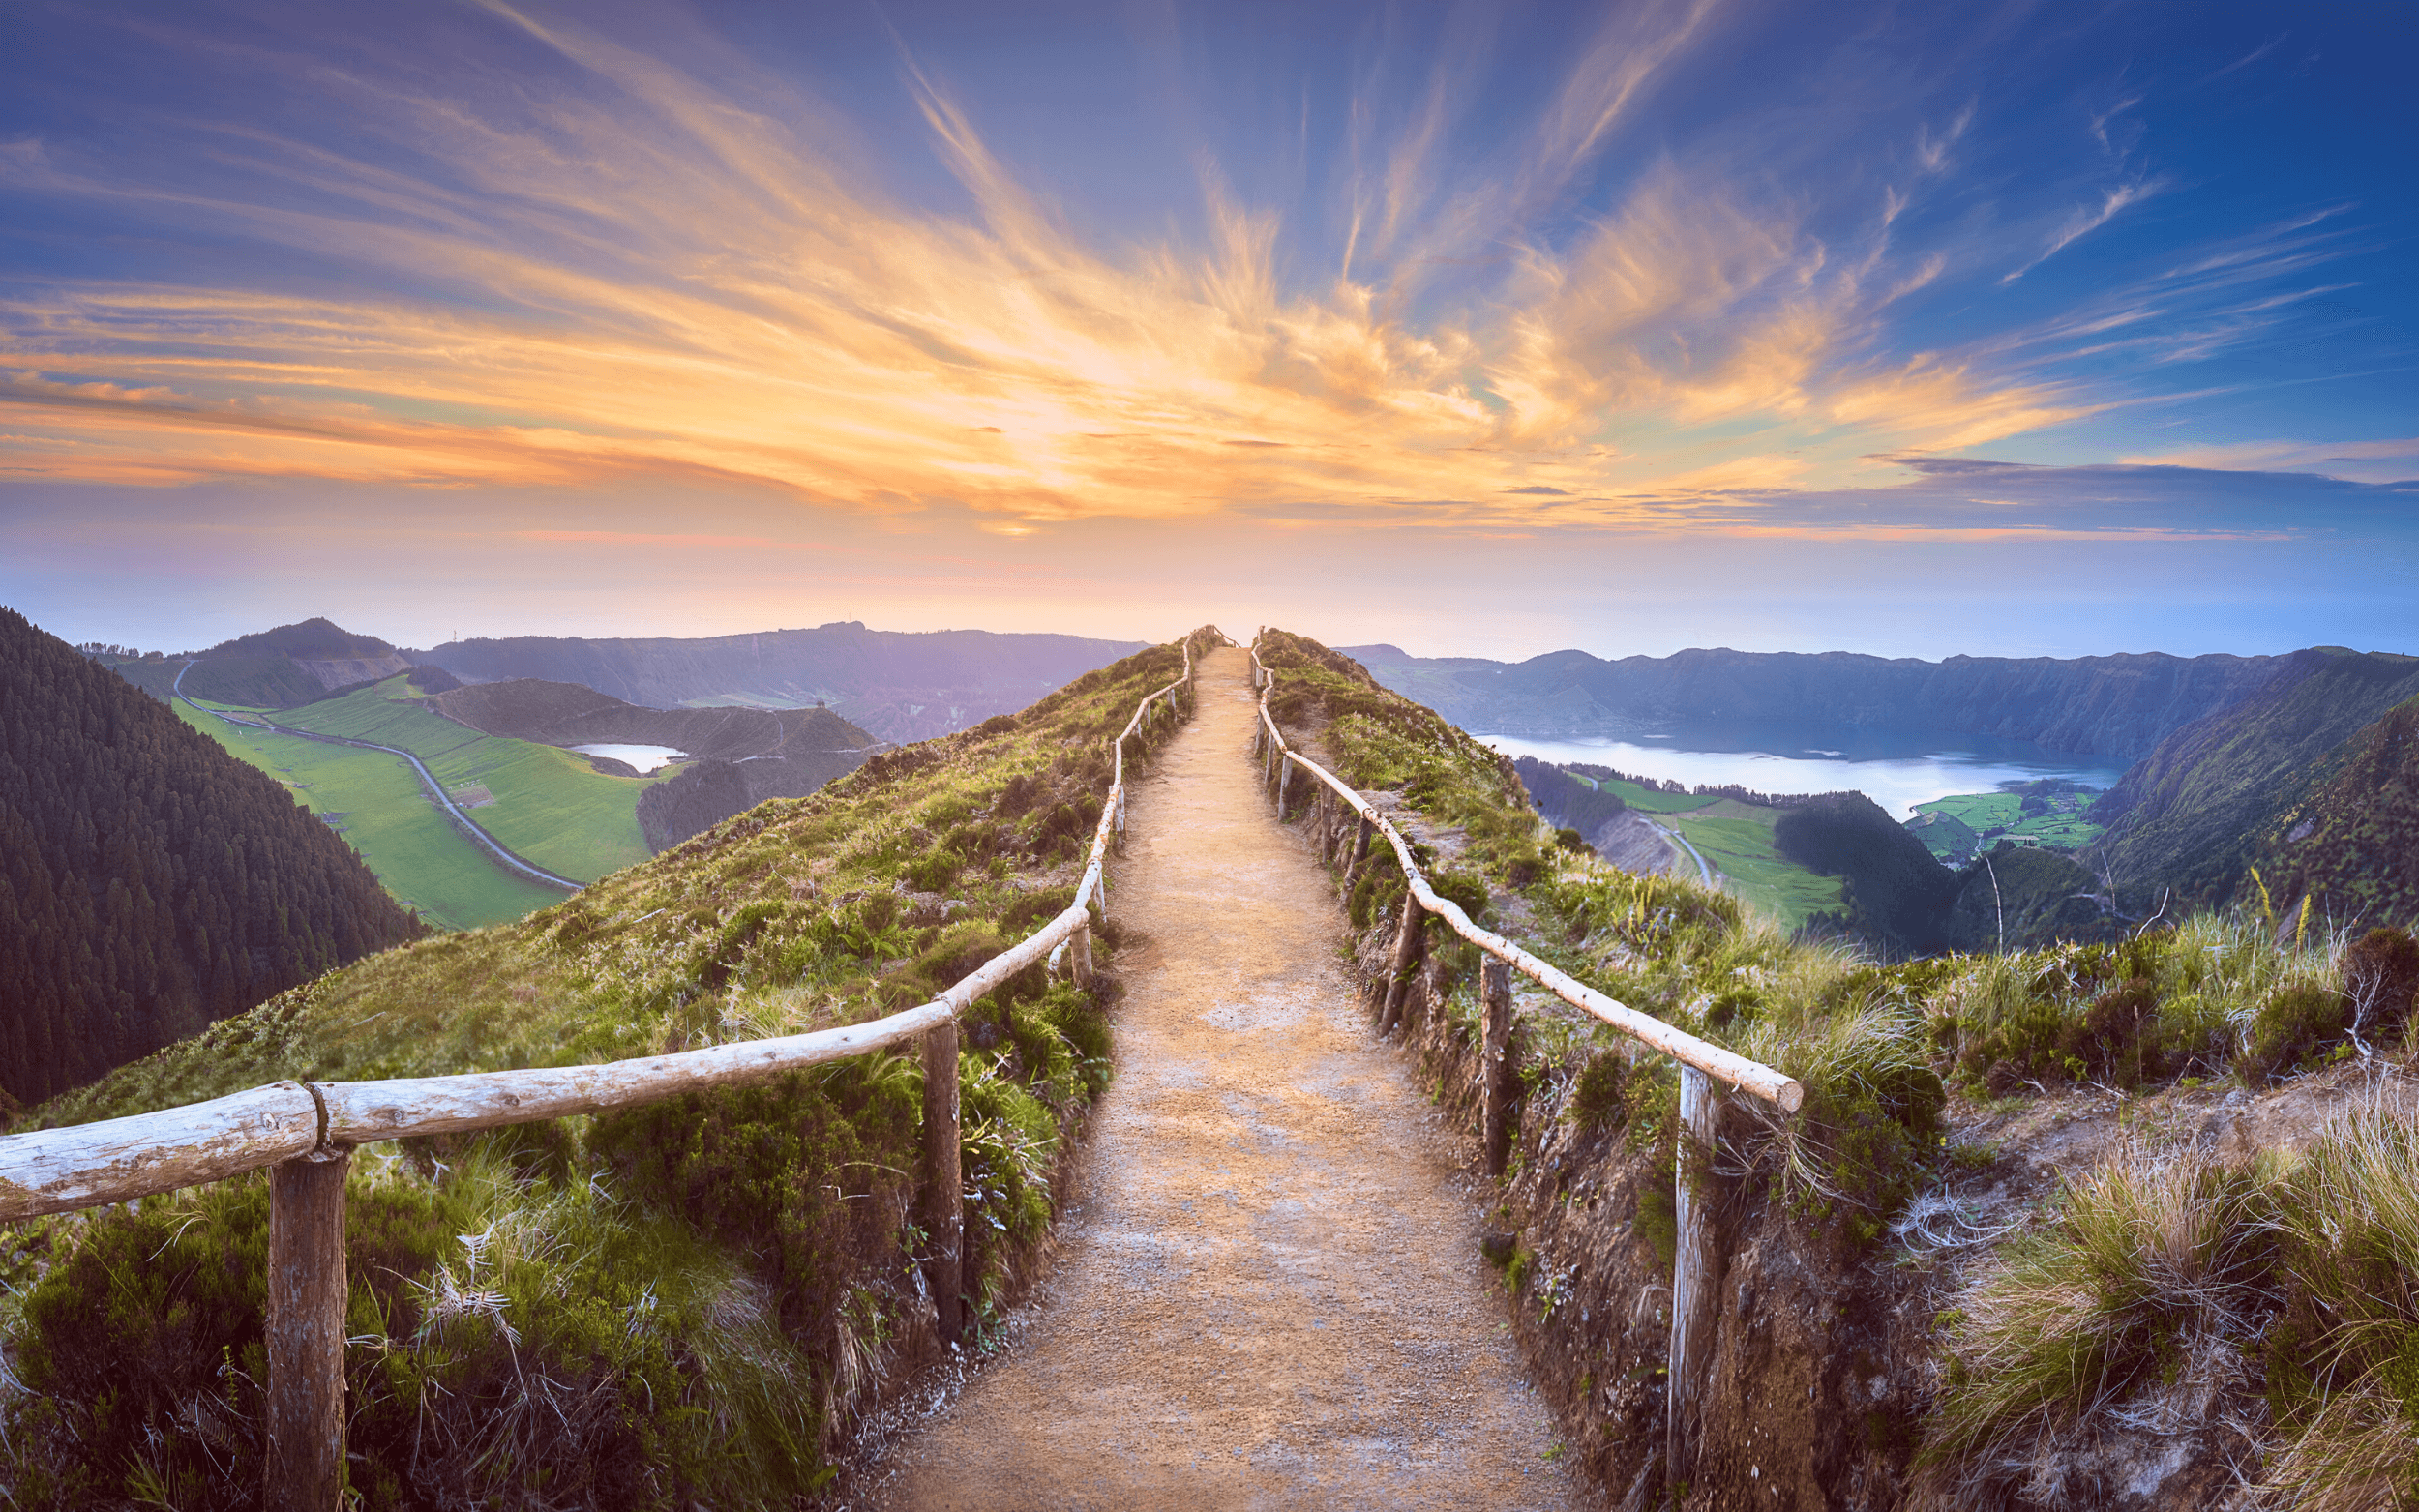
x=1271 y=1294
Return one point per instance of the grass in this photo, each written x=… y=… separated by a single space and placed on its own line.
x=1738 y=840
x=682 y=1304
x=2163 y=1291
x=551 y=806
x=380 y=807
x=2001 y=815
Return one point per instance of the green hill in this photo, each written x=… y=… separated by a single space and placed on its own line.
x=545 y=804
x=703 y=1293
x=2189 y=816
x=378 y=803
x=148 y=884
x=2351 y=842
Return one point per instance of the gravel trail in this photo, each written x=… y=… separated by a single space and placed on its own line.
x=1271 y=1294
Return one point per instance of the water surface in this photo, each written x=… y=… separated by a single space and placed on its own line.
x=646 y=758
x=1897 y=769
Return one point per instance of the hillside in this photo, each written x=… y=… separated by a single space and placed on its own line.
x=2116 y=705
x=899 y=686
x=2191 y=816
x=567 y=714
x=282 y=668
x=2351 y=842
x=703 y=1294
x=552 y=807
x=149 y=885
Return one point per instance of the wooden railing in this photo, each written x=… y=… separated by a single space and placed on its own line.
x=304 y=1134
x=1701 y=1062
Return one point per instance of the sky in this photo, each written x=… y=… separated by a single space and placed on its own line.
x=2019 y=328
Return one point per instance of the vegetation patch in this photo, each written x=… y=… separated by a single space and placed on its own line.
x=682 y=1304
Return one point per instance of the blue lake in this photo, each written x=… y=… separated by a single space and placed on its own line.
x=1897 y=769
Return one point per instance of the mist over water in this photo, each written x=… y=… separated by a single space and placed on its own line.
x=1897 y=769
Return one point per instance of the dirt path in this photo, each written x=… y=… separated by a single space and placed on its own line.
x=1271 y=1295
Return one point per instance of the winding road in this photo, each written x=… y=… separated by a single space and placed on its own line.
x=436 y=789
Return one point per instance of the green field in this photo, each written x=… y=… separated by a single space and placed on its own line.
x=376 y=802
x=1645 y=801
x=1994 y=817
x=1737 y=838
x=551 y=807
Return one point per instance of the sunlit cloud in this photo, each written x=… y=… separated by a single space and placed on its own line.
x=650 y=274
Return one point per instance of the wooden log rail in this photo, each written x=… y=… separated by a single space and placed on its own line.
x=1702 y=1063
x=306 y=1132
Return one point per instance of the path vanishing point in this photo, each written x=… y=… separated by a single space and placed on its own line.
x=1269 y=1293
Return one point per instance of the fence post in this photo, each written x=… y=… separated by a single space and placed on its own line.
x=306 y=1333
x=944 y=1194
x=1284 y=781
x=1692 y=1288
x=1082 y=956
x=1360 y=850
x=1407 y=945
x=1498 y=1079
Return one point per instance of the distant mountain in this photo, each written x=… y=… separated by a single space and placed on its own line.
x=150 y=883
x=2198 y=811
x=746 y=755
x=2114 y=705
x=897 y=685
x=281 y=668
x=567 y=714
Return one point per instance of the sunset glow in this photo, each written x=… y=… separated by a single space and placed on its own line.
x=608 y=288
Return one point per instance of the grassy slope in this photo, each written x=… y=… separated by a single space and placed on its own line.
x=551 y=805
x=720 y=1278
x=2133 y=1285
x=383 y=810
x=1984 y=812
x=1737 y=839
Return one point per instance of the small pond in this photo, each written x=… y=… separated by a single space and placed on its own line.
x=646 y=758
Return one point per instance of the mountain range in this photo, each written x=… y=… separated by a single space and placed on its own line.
x=2111 y=705
x=897 y=685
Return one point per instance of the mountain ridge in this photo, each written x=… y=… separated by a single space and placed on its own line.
x=2121 y=704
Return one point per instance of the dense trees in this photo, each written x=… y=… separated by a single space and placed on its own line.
x=149 y=881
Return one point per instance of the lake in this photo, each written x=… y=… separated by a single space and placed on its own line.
x=1897 y=769
x=646 y=758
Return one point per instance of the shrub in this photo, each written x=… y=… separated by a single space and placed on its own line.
x=2150 y=1280
x=2380 y=973
x=933 y=870
x=2298 y=1020
x=2117 y=1038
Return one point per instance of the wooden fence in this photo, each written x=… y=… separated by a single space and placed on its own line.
x=305 y=1133
x=1701 y=1063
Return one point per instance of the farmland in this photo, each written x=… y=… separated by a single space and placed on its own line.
x=378 y=805
x=1737 y=838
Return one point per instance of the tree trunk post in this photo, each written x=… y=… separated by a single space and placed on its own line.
x=1694 y=1295
x=1284 y=783
x=304 y=1410
x=1407 y=947
x=944 y=1192
x=1082 y=956
x=1498 y=1078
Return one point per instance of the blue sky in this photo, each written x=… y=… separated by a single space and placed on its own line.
x=2049 y=329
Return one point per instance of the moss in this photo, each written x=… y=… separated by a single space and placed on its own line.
x=1596 y=1095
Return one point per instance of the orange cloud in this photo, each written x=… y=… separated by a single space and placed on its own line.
x=681 y=285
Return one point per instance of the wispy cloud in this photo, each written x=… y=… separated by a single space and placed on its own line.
x=632 y=270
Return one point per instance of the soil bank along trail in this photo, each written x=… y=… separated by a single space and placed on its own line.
x=1270 y=1292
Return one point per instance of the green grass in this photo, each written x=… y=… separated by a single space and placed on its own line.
x=1651 y=802
x=705 y=1292
x=1737 y=839
x=2000 y=815
x=384 y=813
x=551 y=806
